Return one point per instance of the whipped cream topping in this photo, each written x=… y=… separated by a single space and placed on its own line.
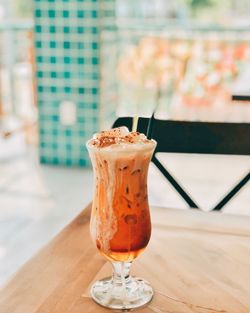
x=117 y=136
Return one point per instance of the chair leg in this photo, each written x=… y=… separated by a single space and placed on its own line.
x=174 y=183
x=232 y=193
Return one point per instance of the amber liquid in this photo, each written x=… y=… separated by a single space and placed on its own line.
x=120 y=220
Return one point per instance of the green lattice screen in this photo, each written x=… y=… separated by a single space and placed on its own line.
x=68 y=44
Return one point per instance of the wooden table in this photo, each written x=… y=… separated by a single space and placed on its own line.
x=196 y=262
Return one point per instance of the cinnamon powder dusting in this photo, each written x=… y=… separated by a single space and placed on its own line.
x=118 y=135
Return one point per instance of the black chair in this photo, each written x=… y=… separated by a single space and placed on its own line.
x=241 y=97
x=196 y=137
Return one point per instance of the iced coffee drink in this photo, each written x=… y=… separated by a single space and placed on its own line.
x=120 y=221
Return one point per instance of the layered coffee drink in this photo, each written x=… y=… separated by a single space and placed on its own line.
x=120 y=220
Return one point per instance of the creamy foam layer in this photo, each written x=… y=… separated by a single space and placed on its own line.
x=119 y=138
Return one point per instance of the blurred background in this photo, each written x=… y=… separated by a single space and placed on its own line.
x=69 y=67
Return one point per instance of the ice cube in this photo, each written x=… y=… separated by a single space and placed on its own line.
x=114 y=132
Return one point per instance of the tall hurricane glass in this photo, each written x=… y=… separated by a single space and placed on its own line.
x=120 y=220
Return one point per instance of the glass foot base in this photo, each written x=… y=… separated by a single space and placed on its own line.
x=134 y=292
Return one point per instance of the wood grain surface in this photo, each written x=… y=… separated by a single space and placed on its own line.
x=196 y=262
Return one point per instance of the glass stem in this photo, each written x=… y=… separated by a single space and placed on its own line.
x=121 y=274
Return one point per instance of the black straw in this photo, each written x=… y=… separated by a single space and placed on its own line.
x=152 y=118
x=150 y=126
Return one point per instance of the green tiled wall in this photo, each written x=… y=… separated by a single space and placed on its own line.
x=68 y=44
